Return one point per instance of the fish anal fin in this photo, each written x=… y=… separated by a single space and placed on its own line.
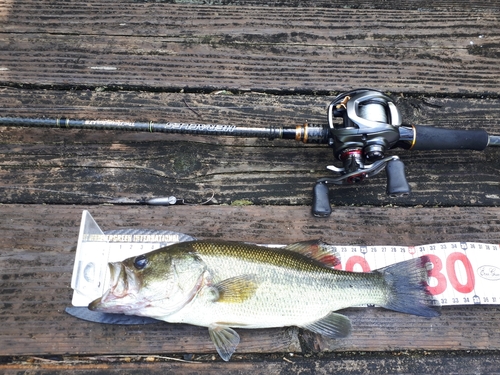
x=225 y=340
x=235 y=289
x=317 y=250
x=332 y=325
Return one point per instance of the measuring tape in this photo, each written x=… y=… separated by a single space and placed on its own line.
x=460 y=273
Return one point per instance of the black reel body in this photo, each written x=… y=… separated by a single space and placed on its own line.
x=369 y=127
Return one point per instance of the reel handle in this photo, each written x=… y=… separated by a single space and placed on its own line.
x=397 y=186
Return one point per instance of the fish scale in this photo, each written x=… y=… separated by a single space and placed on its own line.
x=292 y=289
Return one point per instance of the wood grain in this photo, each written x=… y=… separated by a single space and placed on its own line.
x=48 y=165
x=390 y=363
x=158 y=46
x=37 y=254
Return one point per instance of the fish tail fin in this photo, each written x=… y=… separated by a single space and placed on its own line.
x=407 y=288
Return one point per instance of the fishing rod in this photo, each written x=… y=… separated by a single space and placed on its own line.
x=362 y=126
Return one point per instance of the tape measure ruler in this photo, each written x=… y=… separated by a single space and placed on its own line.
x=460 y=273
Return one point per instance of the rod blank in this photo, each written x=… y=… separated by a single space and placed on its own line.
x=306 y=133
x=152 y=127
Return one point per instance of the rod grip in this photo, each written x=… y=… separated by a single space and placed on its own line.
x=321 y=201
x=431 y=138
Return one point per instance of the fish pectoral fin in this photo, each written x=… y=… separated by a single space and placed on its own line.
x=317 y=250
x=235 y=289
x=225 y=340
x=332 y=325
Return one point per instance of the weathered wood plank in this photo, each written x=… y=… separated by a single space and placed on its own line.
x=57 y=226
x=246 y=25
x=89 y=174
x=391 y=363
x=448 y=5
x=48 y=165
x=167 y=46
x=37 y=254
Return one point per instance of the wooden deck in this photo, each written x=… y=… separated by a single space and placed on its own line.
x=248 y=63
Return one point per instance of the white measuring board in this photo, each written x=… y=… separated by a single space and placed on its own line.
x=460 y=273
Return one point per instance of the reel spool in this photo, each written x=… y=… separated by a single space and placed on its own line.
x=370 y=126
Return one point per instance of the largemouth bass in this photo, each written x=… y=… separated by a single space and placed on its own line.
x=226 y=285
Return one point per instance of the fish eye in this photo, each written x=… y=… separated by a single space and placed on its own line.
x=140 y=262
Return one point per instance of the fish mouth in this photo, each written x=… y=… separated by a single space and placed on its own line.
x=117 y=291
x=95 y=305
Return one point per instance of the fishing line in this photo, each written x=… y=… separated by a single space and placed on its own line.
x=162 y=107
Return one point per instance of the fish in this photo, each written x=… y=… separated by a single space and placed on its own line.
x=223 y=285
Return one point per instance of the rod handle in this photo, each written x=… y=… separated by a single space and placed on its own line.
x=431 y=138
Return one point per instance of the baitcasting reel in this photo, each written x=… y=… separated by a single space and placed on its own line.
x=370 y=126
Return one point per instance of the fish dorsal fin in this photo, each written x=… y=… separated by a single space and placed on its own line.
x=235 y=289
x=332 y=325
x=225 y=340
x=317 y=250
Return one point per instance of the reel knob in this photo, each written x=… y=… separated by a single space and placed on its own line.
x=397 y=186
x=321 y=201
